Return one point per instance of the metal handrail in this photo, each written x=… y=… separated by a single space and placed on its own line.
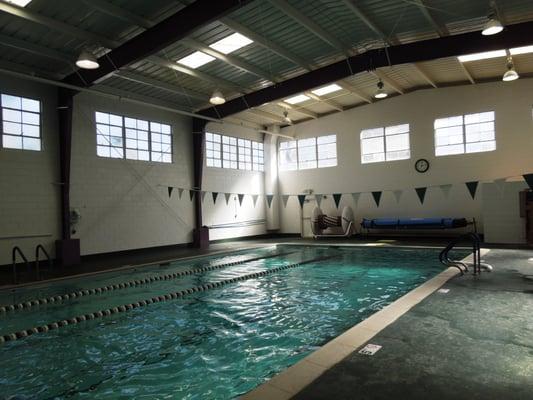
x=476 y=250
x=14 y=252
x=37 y=269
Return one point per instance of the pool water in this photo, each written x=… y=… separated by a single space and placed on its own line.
x=215 y=344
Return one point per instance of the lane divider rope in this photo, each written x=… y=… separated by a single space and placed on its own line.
x=117 y=286
x=156 y=299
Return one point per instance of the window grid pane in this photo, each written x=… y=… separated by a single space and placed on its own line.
x=245 y=154
x=229 y=152
x=471 y=133
x=258 y=156
x=21 y=123
x=288 y=156
x=109 y=135
x=390 y=143
x=137 y=144
x=307 y=153
x=133 y=139
x=327 y=151
x=213 y=150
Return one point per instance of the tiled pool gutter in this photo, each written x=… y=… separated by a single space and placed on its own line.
x=295 y=378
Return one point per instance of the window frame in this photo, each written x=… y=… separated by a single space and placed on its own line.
x=240 y=144
x=464 y=126
x=383 y=136
x=317 y=158
x=40 y=114
x=124 y=138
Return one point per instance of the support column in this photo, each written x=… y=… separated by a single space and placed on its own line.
x=67 y=249
x=200 y=233
x=271 y=179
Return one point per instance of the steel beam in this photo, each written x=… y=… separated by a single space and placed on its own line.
x=174 y=28
x=473 y=42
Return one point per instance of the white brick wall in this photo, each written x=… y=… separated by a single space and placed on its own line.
x=124 y=204
x=29 y=199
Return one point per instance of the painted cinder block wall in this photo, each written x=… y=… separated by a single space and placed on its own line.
x=234 y=181
x=512 y=102
x=29 y=190
x=124 y=204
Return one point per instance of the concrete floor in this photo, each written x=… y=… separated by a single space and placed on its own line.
x=475 y=342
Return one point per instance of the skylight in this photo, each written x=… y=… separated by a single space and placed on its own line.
x=326 y=89
x=297 y=99
x=521 y=50
x=482 y=56
x=231 y=43
x=196 y=59
x=20 y=3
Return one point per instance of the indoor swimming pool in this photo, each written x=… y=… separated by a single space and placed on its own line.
x=213 y=327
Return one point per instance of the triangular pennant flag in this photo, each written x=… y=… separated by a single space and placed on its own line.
x=355 y=197
x=500 y=185
x=337 y=198
x=377 y=197
x=254 y=198
x=421 y=192
x=269 y=198
x=241 y=196
x=397 y=195
x=203 y=193
x=301 y=200
x=170 y=189
x=529 y=180
x=318 y=199
x=191 y=194
x=180 y=192
x=472 y=187
x=446 y=189
x=227 y=196
x=215 y=195
x=285 y=198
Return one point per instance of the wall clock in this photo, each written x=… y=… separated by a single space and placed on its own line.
x=422 y=165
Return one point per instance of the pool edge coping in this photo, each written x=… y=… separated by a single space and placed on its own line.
x=126 y=267
x=295 y=378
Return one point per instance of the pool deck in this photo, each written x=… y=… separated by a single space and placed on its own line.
x=473 y=342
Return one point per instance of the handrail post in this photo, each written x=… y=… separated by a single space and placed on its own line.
x=41 y=248
x=14 y=252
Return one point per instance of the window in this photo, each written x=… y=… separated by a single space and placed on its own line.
x=109 y=141
x=161 y=142
x=258 y=156
x=288 y=156
x=307 y=153
x=327 y=151
x=229 y=152
x=137 y=139
x=213 y=152
x=245 y=154
x=21 y=123
x=133 y=139
x=385 y=144
x=471 y=133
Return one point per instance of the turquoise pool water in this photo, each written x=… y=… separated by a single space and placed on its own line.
x=215 y=344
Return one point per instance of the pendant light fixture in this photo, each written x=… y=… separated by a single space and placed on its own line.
x=510 y=74
x=286 y=117
x=380 y=93
x=493 y=24
x=217 y=98
x=87 y=60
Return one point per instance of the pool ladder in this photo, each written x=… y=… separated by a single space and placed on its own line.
x=472 y=238
x=16 y=250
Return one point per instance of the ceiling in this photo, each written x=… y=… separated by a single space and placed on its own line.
x=290 y=38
